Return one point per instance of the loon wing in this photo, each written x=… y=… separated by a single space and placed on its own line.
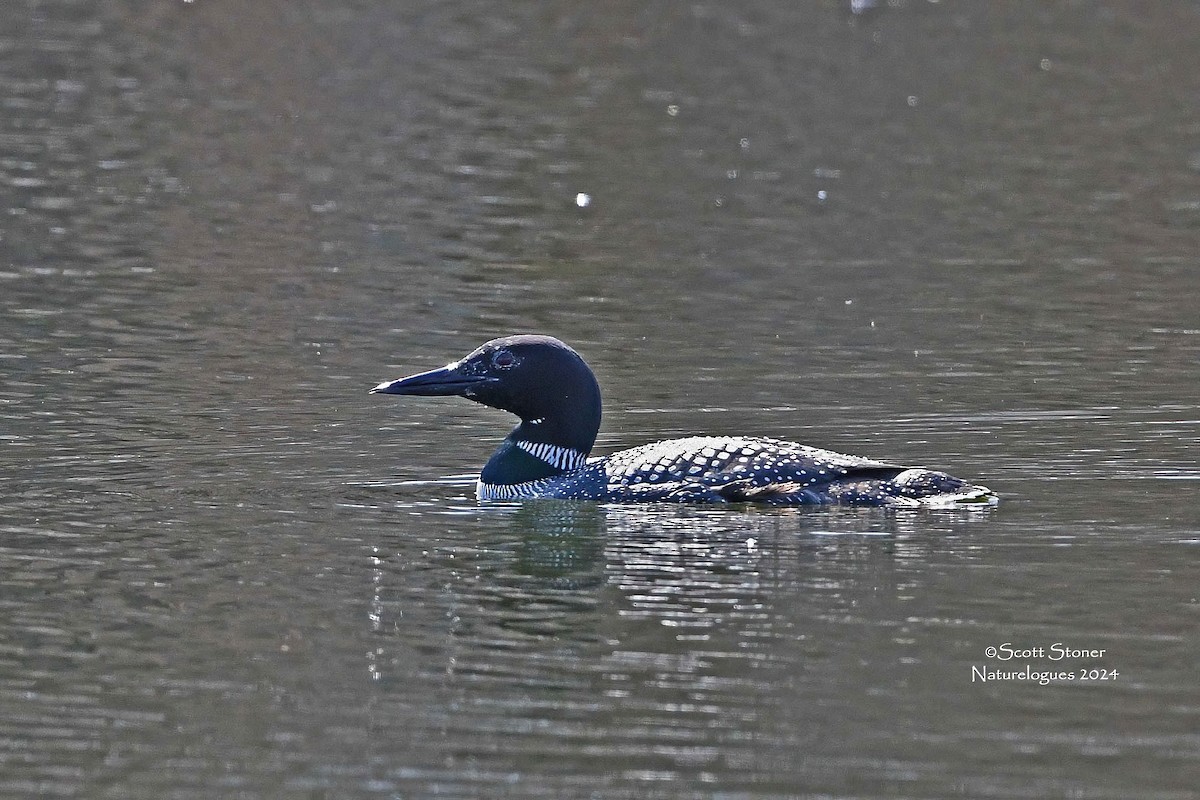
x=731 y=467
x=775 y=472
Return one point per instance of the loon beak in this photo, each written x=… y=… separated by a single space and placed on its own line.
x=443 y=382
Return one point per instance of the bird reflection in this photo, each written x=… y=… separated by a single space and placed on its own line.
x=560 y=544
x=518 y=593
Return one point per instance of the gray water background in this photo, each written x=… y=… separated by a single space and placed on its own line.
x=956 y=234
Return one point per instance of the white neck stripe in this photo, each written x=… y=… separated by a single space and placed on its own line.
x=564 y=458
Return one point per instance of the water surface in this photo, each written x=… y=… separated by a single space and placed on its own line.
x=956 y=236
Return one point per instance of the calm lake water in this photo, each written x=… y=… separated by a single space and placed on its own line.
x=959 y=235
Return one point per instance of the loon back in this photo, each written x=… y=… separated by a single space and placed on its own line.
x=556 y=396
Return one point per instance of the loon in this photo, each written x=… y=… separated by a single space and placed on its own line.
x=556 y=396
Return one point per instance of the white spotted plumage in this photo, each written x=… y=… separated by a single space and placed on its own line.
x=705 y=468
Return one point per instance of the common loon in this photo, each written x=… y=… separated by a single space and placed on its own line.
x=553 y=391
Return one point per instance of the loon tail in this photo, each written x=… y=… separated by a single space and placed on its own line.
x=915 y=488
x=872 y=486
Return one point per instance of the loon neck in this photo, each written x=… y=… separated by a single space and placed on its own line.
x=536 y=449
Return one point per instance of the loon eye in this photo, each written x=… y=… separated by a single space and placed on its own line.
x=503 y=359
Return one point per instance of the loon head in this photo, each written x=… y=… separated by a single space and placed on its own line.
x=538 y=378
